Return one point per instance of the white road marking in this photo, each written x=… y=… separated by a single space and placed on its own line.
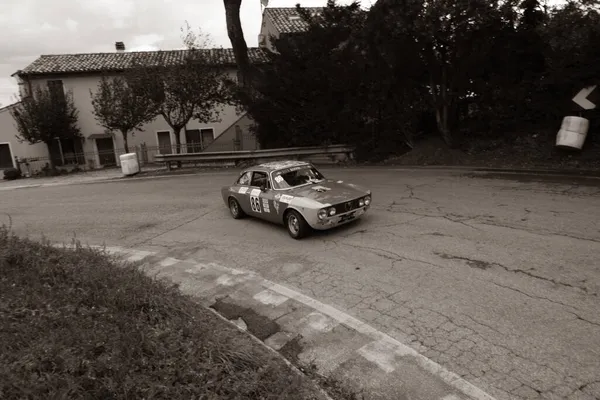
x=233 y=276
x=377 y=355
x=383 y=353
x=138 y=255
x=167 y=262
x=431 y=366
x=319 y=322
x=271 y=298
x=451 y=397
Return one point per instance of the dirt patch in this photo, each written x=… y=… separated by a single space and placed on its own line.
x=292 y=349
x=259 y=325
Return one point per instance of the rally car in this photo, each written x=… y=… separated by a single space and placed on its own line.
x=295 y=194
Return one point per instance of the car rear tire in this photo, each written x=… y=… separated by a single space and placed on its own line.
x=235 y=209
x=296 y=225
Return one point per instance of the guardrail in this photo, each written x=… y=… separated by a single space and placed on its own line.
x=333 y=152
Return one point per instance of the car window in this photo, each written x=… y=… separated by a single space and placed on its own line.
x=259 y=179
x=245 y=179
x=296 y=176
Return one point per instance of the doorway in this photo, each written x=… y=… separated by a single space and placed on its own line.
x=6 y=158
x=164 y=142
x=106 y=152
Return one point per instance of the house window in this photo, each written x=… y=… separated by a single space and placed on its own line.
x=193 y=140
x=56 y=88
x=208 y=136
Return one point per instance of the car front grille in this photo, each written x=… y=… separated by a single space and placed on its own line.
x=346 y=206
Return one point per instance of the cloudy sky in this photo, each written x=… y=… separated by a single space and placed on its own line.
x=29 y=28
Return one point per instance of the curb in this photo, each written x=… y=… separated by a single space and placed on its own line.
x=212 y=284
x=585 y=174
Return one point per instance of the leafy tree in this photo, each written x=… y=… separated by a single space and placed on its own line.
x=46 y=116
x=120 y=104
x=303 y=97
x=193 y=88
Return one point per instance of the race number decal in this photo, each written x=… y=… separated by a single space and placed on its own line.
x=255 y=204
x=265 y=205
x=286 y=198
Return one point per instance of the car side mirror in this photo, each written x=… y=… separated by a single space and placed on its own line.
x=263 y=187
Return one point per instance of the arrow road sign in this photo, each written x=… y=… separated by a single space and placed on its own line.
x=581 y=98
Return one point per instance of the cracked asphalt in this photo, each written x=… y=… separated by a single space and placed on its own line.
x=495 y=277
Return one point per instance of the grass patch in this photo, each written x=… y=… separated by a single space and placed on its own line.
x=79 y=324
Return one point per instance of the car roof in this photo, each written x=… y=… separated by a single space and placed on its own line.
x=277 y=165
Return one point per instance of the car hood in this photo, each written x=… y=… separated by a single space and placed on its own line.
x=330 y=191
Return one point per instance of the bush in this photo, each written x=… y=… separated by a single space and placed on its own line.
x=12 y=174
x=77 y=324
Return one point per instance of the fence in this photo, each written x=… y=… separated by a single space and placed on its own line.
x=90 y=161
x=322 y=155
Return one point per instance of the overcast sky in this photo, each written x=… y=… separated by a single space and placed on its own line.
x=29 y=28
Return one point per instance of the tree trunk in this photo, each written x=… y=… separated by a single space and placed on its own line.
x=236 y=36
x=177 y=132
x=50 y=161
x=125 y=142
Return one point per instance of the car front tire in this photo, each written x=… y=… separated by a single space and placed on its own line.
x=235 y=209
x=296 y=225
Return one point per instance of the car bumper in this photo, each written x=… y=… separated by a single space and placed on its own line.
x=337 y=220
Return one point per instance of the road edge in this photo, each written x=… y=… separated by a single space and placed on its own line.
x=437 y=370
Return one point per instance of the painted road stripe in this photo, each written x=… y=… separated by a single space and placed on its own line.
x=270 y=298
x=383 y=340
x=431 y=366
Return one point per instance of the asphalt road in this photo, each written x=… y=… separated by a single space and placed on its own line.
x=496 y=279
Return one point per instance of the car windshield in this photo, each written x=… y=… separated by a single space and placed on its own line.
x=296 y=176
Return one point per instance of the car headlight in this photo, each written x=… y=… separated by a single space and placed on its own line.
x=332 y=211
x=361 y=202
x=367 y=200
x=322 y=214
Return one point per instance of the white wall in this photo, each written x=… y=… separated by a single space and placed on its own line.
x=8 y=134
x=81 y=86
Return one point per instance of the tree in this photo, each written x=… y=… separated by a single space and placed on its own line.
x=120 y=104
x=46 y=116
x=238 y=43
x=193 y=88
x=301 y=98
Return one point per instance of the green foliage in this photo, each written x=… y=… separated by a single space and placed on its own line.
x=45 y=116
x=77 y=324
x=120 y=104
x=11 y=174
x=383 y=78
x=194 y=89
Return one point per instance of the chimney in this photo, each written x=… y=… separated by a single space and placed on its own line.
x=120 y=47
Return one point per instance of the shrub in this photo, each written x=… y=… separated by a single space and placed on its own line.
x=78 y=324
x=12 y=174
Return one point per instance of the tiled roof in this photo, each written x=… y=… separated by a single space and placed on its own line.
x=118 y=61
x=281 y=18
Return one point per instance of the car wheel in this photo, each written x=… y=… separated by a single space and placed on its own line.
x=235 y=209
x=296 y=225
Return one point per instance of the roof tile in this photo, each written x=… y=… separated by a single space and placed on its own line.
x=118 y=61
x=282 y=22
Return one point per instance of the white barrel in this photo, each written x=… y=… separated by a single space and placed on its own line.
x=573 y=132
x=129 y=164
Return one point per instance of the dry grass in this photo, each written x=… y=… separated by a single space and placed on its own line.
x=77 y=324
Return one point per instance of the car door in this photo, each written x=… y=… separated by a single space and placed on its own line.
x=242 y=188
x=261 y=202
